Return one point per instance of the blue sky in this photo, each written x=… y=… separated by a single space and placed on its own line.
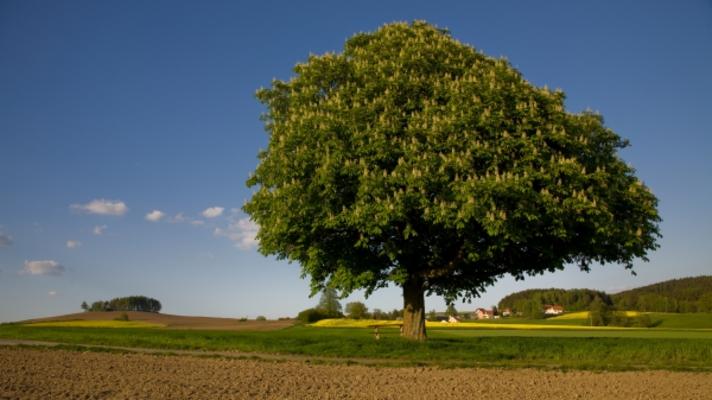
x=111 y=110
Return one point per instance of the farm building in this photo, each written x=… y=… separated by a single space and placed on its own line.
x=553 y=309
x=481 y=313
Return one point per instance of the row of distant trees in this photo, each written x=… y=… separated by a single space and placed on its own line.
x=330 y=307
x=451 y=311
x=130 y=303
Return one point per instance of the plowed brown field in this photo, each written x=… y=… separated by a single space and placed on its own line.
x=58 y=374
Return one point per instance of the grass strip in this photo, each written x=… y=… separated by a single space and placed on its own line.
x=445 y=348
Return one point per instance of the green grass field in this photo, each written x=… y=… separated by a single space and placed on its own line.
x=661 y=320
x=555 y=348
x=683 y=321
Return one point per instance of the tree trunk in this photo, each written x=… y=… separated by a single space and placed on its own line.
x=413 y=309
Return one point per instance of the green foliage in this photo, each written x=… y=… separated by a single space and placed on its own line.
x=683 y=295
x=99 y=306
x=644 y=321
x=329 y=302
x=85 y=306
x=532 y=309
x=570 y=299
x=131 y=303
x=311 y=315
x=377 y=313
x=411 y=155
x=261 y=318
x=639 y=321
x=599 y=313
x=451 y=311
x=395 y=314
x=432 y=316
x=356 y=310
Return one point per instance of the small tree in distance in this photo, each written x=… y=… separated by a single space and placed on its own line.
x=600 y=313
x=413 y=159
x=356 y=310
x=329 y=302
x=85 y=306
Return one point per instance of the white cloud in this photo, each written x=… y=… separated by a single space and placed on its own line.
x=102 y=207
x=99 y=229
x=73 y=244
x=243 y=232
x=5 y=240
x=178 y=218
x=213 y=212
x=43 y=267
x=52 y=293
x=155 y=216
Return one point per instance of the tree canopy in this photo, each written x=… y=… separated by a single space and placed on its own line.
x=329 y=302
x=412 y=158
x=356 y=310
x=130 y=303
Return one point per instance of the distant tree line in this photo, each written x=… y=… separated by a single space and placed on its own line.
x=530 y=303
x=451 y=311
x=130 y=303
x=330 y=307
x=677 y=295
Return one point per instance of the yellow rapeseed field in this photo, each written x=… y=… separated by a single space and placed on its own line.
x=631 y=313
x=571 y=315
x=585 y=314
x=354 y=323
x=370 y=323
x=479 y=325
x=97 y=324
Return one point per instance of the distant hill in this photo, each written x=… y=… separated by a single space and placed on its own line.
x=169 y=321
x=676 y=295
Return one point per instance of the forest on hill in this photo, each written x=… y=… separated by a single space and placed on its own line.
x=676 y=295
x=531 y=302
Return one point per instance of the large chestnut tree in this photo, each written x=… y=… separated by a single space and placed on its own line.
x=413 y=159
